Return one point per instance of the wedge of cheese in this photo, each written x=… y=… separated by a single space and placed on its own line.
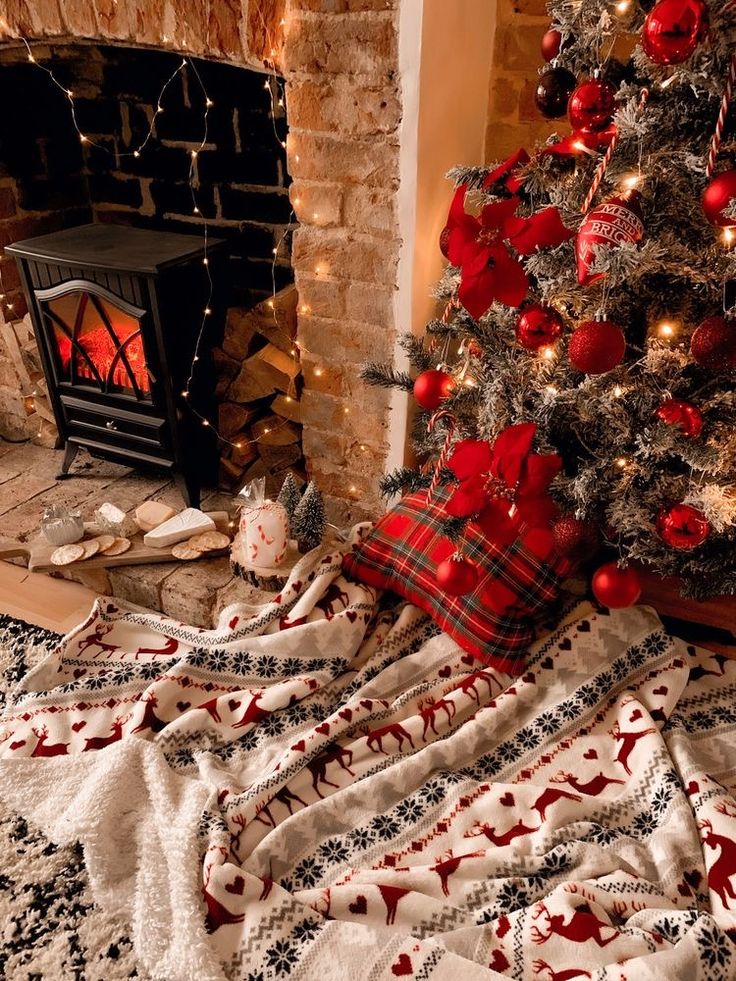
x=151 y=514
x=182 y=526
x=113 y=520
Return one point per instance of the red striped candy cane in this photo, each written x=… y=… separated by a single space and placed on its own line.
x=715 y=143
x=606 y=159
x=445 y=452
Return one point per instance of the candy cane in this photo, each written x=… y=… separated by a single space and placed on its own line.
x=454 y=304
x=715 y=143
x=445 y=452
x=603 y=165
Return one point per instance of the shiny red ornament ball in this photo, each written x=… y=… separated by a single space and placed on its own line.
x=591 y=106
x=432 y=387
x=551 y=43
x=597 y=346
x=686 y=416
x=616 y=588
x=713 y=345
x=457 y=576
x=445 y=241
x=553 y=90
x=615 y=221
x=574 y=538
x=538 y=326
x=718 y=195
x=682 y=527
x=673 y=30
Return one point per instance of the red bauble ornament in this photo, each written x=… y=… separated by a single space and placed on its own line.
x=616 y=588
x=432 y=387
x=457 y=576
x=551 y=42
x=575 y=539
x=554 y=88
x=685 y=415
x=713 y=345
x=597 y=346
x=614 y=222
x=591 y=106
x=718 y=195
x=445 y=241
x=537 y=326
x=682 y=527
x=673 y=30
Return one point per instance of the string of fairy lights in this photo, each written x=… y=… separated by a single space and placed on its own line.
x=274 y=87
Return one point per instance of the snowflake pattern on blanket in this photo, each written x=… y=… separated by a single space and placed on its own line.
x=327 y=787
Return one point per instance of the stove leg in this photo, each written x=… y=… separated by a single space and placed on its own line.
x=188 y=488
x=69 y=454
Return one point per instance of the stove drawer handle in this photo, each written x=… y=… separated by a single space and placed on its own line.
x=110 y=424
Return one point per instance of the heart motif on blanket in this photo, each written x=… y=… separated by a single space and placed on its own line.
x=366 y=703
x=296 y=586
x=584 y=627
x=351 y=615
x=79 y=672
x=662 y=690
x=529 y=678
x=402 y=967
x=503 y=927
x=17 y=744
x=445 y=672
x=693 y=878
x=233 y=704
x=499 y=962
x=565 y=644
x=299 y=747
x=346 y=714
x=236 y=886
x=590 y=754
x=183 y=706
x=323 y=728
x=684 y=890
x=636 y=714
x=693 y=788
x=234 y=622
x=359 y=907
x=468 y=659
x=78 y=726
x=508 y=799
x=548 y=664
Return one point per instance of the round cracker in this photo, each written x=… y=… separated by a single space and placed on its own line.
x=66 y=554
x=185 y=552
x=209 y=541
x=119 y=546
x=91 y=547
x=105 y=541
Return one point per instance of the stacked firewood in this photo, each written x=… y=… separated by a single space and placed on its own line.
x=259 y=383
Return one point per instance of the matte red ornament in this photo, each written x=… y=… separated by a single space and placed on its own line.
x=537 y=326
x=615 y=222
x=551 y=43
x=713 y=345
x=682 y=527
x=574 y=538
x=591 y=106
x=673 y=30
x=718 y=195
x=432 y=387
x=457 y=576
x=686 y=416
x=616 y=588
x=597 y=346
x=553 y=90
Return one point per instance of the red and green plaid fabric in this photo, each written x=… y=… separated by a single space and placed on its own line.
x=517 y=582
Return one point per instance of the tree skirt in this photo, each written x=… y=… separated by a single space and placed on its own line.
x=328 y=788
x=52 y=930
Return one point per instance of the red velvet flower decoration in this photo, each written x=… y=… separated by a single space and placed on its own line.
x=503 y=485
x=507 y=169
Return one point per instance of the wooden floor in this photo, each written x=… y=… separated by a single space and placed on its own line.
x=51 y=603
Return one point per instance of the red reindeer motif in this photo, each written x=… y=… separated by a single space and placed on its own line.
x=333 y=594
x=445 y=867
x=217 y=914
x=285 y=623
x=628 y=741
x=285 y=797
x=334 y=753
x=211 y=708
x=150 y=720
x=467 y=685
x=391 y=896
x=42 y=749
x=395 y=729
x=699 y=671
x=170 y=647
x=429 y=715
x=549 y=797
x=95 y=640
x=116 y=733
x=552 y=975
x=582 y=926
x=592 y=788
x=253 y=713
x=724 y=867
x=516 y=831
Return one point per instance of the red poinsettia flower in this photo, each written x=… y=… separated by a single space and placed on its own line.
x=503 y=485
x=507 y=169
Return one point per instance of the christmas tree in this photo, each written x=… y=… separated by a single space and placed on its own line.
x=309 y=520
x=290 y=496
x=588 y=291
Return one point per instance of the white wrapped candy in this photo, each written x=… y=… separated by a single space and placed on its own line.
x=264 y=527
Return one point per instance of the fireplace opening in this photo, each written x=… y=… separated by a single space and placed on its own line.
x=52 y=178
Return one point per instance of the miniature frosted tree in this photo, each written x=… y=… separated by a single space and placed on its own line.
x=290 y=496
x=309 y=520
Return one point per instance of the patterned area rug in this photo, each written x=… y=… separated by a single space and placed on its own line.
x=52 y=929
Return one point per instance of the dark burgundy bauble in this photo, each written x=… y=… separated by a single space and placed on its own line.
x=682 y=527
x=713 y=345
x=574 y=538
x=457 y=576
x=551 y=42
x=553 y=90
x=445 y=241
x=673 y=30
x=591 y=106
x=432 y=387
x=686 y=416
x=718 y=195
x=597 y=346
x=611 y=223
x=538 y=326
x=616 y=588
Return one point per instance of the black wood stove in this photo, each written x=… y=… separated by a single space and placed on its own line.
x=116 y=312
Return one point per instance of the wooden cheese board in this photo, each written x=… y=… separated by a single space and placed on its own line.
x=38 y=550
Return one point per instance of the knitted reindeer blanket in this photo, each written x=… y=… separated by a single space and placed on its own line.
x=327 y=788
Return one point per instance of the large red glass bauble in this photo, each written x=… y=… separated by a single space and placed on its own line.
x=553 y=90
x=718 y=195
x=538 y=326
x=551 y=42
x=615 y=221
x=673 y=30
x=591 y=106
x=682 y=527
x=432 y=387
x=686 y=416
x=616 y=588
x=597 y=346
x=457 y=576
x=713 y=345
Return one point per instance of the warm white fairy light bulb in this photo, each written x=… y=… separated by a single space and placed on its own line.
x=666 y=330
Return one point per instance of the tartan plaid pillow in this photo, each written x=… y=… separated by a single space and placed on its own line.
x=517 y=582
